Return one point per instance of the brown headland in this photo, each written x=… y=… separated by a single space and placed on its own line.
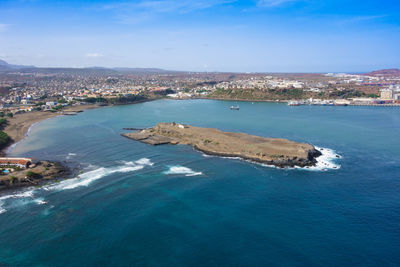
x=273 y=151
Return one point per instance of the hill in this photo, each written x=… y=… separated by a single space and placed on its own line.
x=6 y=66
x=385 y=72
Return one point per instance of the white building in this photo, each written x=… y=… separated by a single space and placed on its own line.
x=387 y=94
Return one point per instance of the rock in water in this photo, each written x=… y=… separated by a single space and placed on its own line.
x=273 y=151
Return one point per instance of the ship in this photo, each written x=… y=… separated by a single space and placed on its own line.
x=235 y=107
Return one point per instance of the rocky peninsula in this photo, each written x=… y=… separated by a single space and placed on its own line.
x=272 y=151
x=40 y=172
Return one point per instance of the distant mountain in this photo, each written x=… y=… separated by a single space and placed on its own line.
x=5 y=66
x=3 y=63
x=385 y=72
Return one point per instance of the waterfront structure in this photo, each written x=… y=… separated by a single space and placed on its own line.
x=19 y=162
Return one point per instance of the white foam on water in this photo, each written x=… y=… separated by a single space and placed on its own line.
x=70 y=155
x=40 y=201
x=87 y=178
x=324 y=162
x=144 y=161
x=25 y=194
x=177 y=170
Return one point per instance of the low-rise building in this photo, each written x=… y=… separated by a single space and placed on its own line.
x=19 y=162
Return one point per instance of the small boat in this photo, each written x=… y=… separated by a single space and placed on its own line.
x=235 y=107
x=293 y=103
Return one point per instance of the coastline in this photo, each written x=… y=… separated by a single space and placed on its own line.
x=286 y=101
x=19 y=126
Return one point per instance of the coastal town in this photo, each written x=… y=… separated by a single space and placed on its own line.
x=37 y=89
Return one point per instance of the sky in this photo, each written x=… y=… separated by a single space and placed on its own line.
x=203 y=35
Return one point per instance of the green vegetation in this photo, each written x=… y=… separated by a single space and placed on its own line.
x=3 y=123
x=58 y=107
x=165 y=92
x=10 y=115
x=127 y=99
x=372 y=96
x=346 y=94
x=38 y=104
x=259 y=94
x=95 y=100
x=4 y=139
x=121 y=99
x=2 y=114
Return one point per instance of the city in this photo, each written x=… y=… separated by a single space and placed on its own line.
x=36 y=89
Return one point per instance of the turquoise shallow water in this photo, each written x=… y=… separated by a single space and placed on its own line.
x=136 y=204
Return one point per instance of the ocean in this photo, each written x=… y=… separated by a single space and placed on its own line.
x=136 y=204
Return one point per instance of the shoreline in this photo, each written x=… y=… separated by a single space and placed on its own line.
x=19 y=126
x=211 y=141
x=287 y=101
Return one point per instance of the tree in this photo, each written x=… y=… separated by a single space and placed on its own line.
x=4 y=139
x=58 y=107
x=3 y=122
x=10 y=115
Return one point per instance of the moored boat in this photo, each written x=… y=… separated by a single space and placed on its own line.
x=293 y=103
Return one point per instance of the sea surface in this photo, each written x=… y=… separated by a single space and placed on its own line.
x=137 y=204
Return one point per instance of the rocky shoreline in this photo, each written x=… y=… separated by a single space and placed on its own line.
x=272 y=151
x=38 y=173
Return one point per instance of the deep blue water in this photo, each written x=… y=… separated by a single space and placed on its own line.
x=136 y=204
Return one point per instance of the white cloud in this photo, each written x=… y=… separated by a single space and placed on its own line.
x=273 y=3
x=93 y=55
x=165 y=6
x=365 y=18
x=4 y=27
x=358 y=19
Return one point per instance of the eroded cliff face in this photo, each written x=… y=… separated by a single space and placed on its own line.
x=40 y=172
x=273 y=151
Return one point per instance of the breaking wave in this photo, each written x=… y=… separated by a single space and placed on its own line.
x=86 y=178
x=82 y=180
x=24 y=194
x=180 y=170
x=326 y=161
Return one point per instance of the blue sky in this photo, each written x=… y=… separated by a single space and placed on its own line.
x=203 y=35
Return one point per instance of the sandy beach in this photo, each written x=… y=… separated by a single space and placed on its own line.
x=18 y=126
